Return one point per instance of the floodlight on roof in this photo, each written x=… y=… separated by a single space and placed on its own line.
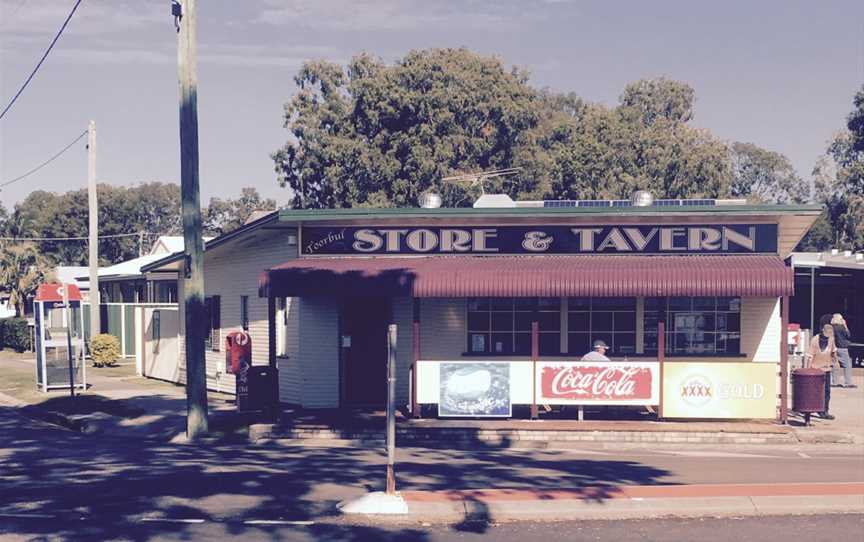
x=430 y=200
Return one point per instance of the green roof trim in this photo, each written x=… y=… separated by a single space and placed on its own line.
x=316 y=215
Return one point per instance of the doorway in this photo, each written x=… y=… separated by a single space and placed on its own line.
x=364 y=350
x=160 y=347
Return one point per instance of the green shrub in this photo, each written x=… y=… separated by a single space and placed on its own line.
x=16 y=334
x=105 y=350
x=2 y=328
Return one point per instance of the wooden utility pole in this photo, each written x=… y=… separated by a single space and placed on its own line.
x=93 y=243
x=193 y=281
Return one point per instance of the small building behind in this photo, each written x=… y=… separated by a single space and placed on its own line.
x=126 y=282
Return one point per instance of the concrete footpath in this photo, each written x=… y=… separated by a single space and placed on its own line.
x=636 y=501
x=117 y=402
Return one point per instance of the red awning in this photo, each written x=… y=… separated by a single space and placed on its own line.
x=528 y=276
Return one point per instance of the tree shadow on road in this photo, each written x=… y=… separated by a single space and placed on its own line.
x=93 y=481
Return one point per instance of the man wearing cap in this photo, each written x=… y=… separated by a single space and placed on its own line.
x=599 y=352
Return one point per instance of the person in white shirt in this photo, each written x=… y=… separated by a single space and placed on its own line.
x=599 y=352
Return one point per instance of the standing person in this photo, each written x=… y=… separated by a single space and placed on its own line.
x=599 y=352
x=841 y=339
x=822 y=355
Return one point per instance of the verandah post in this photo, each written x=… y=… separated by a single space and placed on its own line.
x=535 y=353
x=784 y=359
x=415 y=345
x=273 y=409
x=391 y=408
x=661 y=358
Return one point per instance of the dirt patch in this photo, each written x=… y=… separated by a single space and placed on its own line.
x=89 y=404
x=15 y=356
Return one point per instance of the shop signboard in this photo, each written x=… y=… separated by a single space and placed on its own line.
x=719 y=390
x=598 y=382
x=474 y=389
x=539 y=239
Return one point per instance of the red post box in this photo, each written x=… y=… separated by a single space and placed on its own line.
x=238 y=352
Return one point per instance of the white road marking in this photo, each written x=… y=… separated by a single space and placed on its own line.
x=573 y=451
x=26 y=516
x=802 y=454
x=278 y=522
x=170 y=520
x=696 y=453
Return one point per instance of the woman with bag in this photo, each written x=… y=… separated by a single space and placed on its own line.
x=822 y=355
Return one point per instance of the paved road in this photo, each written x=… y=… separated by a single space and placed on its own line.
x=824 y=528
x=55 y=481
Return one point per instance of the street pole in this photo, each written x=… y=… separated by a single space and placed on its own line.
x=93 y=242
x=69 y=339
x=391 y=408
x=193 y=281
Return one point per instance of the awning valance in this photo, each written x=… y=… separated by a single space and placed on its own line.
x=528 y=276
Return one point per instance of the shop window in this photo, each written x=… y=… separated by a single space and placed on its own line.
x=213 y=309
x=611 y=319
x=502 y=326
x=244 y=312
x=697 y=325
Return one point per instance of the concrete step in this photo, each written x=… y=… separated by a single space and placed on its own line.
x=507 y=438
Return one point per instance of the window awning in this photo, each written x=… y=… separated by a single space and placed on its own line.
x=529 y=276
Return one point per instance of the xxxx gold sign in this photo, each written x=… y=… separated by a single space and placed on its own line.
x=744 y=390
x=624 y=239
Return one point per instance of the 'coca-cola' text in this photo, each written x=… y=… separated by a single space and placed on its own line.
x=596 y=382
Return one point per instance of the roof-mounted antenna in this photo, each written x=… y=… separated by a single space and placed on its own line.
x=475 y=179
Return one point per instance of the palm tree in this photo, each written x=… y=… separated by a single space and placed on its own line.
x=22 y=270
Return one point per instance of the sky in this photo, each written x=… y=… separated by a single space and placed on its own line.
x=780 y=74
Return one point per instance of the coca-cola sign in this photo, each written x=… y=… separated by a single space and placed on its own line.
x=586 y=382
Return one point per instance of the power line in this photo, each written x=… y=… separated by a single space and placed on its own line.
x=81 y=238
x=46 y=162
x=41 y=60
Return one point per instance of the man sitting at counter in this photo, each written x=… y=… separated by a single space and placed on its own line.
x=599 y=352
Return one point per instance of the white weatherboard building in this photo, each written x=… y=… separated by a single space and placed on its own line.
x=495 y=306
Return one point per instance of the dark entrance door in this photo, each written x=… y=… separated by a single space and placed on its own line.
x=364 y=350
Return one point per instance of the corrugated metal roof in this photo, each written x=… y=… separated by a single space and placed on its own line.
x=363 y=213
x=528 y=276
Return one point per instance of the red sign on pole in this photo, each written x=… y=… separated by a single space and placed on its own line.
x=622 y=383
x=55 y=292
